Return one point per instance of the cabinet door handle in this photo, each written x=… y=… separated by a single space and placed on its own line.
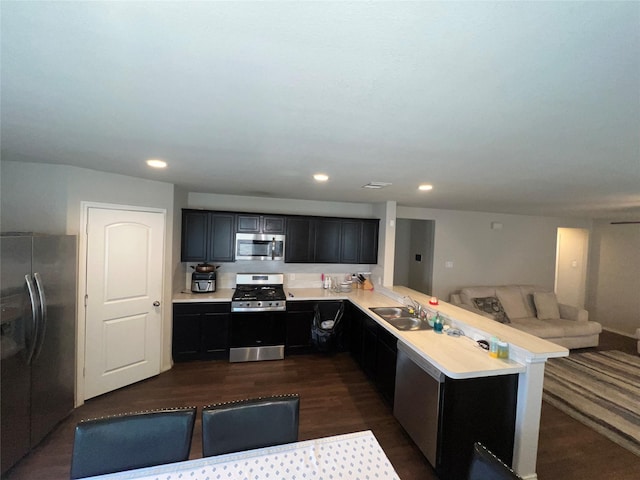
x=156 y=303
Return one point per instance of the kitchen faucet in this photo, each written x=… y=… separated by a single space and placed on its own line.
x=417 y=308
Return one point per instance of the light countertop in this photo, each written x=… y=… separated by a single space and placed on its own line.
x=220 y=295
x=457 y=357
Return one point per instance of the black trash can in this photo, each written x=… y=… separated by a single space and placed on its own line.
x=326 y=326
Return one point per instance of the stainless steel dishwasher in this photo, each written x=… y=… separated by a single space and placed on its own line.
x=417 y=400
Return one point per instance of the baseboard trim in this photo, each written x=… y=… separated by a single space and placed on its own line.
x=624 y=334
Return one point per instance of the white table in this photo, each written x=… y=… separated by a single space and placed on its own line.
x=353 y=456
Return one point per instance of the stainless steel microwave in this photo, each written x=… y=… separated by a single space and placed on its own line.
x=259 y=246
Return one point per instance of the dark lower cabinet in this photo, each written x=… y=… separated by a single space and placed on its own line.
x=300 y=317
x=374 y=349
x=200 y=331
x=299 y=320
x=386 y=353
x=475 y=410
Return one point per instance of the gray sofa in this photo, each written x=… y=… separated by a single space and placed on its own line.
x=534 y=310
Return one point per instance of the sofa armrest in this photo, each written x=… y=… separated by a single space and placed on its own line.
x=569 y=312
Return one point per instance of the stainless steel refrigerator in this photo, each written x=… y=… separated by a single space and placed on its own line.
x=38 y=329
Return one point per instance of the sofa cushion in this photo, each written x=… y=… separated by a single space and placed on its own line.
x=468 y=294
x=572 y=328
x=556 y=328
x=546 y=305
x=512 y=301
x=537 y=327
x=527 y=293
x=492 y=306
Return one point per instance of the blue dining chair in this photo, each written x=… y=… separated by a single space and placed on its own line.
x=486 y=466
x=132 y=440
x=248 y=424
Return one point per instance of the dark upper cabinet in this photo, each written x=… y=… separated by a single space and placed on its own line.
x=195 y=234
x=248 y=223
x=252 y=223
x=350 y=241
x=369 y=242
x=207 y=236
x=331 y=240
x=272 y=224
x=221 y=237
x=210 y=236
x=300 y=240
x=327 y=240
x=359 y=241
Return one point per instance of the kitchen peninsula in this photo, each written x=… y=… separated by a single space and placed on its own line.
x=455 y=357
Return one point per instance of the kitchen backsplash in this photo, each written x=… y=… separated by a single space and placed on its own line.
x=295 y=275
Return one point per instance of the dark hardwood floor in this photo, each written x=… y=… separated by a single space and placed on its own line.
x=336 y=398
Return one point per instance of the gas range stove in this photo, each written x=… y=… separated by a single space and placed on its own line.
x=257 y=292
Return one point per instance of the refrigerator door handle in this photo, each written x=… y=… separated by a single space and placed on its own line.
x=42 y=329
x=31 y=342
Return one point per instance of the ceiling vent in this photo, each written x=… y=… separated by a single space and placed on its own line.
x=376 y=185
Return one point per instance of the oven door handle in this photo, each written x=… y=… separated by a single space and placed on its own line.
x=273 y=248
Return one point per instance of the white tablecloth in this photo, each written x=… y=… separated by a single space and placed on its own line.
x=354 y=456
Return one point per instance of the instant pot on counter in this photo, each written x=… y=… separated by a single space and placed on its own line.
x=203 y=282
x=203 y=278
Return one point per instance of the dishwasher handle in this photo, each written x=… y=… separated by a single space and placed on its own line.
x=422 y=363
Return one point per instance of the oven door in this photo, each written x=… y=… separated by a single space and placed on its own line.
x=257 y=336
x=259 y=247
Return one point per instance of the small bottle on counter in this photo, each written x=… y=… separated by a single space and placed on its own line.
x=503 y=350
x=437 y=324
x=493 y=347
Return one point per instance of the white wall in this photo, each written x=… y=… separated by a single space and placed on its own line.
x=237 y=203
x=614 y=277
x=523 y=251
x=33 y=197
x=403 y=249
x=47 y=199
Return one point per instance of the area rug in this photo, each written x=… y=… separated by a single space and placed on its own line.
x=601 y=390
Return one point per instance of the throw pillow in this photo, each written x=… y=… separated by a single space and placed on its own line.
x=546 y=305
x=512 y=301
x=493 y=306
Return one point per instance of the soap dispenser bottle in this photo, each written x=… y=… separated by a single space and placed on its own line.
x=437 y=324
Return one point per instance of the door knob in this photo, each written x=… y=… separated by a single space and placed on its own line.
x=156 y=303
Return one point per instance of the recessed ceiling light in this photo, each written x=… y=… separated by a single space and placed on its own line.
x=155 y=163
x=376 y=185
x=320 y=177
x=425 y=187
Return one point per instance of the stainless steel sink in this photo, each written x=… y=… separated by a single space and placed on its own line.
x=401 y=318
x=391 y=312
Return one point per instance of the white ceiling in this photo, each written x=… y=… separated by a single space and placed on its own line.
x=530 y=108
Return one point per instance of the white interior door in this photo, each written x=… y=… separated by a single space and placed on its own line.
x=123 y=329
